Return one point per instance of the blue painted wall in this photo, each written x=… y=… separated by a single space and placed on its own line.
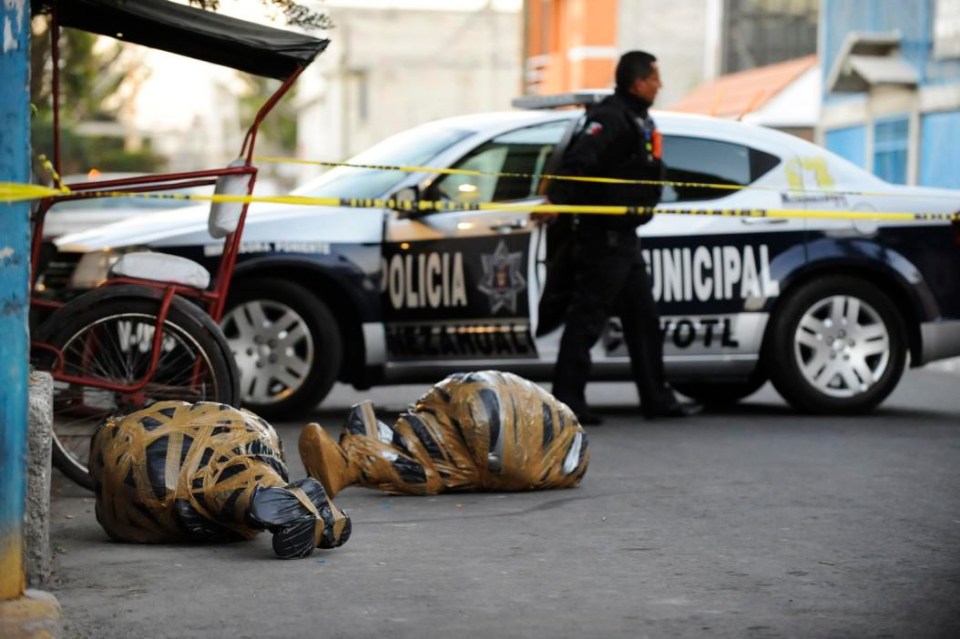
x=912 y=18
x=849 y=143
x=891 y=136
x=14 y=274
x=940 y=151
x=939 y=139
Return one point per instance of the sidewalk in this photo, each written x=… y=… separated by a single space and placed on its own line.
x=756 y=523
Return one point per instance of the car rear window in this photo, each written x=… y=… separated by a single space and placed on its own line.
x=701 y=161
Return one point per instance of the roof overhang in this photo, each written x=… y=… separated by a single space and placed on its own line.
x=797 y=106
x=560 y=100
x=198 y=34
x=868 y=60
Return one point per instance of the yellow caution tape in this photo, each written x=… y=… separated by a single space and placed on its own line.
x=48 y=166
x=18 y=192
x=477 y=173
x=13 y=192
x=600 y=180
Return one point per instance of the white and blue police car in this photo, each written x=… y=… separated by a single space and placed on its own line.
x=831 y=311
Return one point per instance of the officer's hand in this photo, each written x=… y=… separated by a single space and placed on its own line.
x=542 y=218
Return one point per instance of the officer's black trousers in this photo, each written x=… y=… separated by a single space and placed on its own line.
x=611 y=279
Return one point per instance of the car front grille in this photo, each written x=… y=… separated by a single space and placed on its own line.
x=56 y=269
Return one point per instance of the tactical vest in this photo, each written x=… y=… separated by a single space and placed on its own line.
x=643 y=164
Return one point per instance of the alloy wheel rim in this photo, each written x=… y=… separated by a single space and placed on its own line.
x=273 y=348
x=842 y=346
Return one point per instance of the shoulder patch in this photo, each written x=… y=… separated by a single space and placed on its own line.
x=593 y=128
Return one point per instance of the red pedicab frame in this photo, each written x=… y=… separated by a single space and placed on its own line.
x=78 y=332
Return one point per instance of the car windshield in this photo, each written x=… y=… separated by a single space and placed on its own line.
x=410 y=148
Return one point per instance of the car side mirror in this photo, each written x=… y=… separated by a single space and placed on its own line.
x=225 y=216
x=406 y=202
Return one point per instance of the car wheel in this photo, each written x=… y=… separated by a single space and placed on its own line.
x=720 y=393
x=287 y=346
x=837 y=345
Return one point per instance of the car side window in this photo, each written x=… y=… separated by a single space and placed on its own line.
x=510 y=165
x=697 y=160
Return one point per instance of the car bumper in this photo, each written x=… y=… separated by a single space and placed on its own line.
x=940 y=340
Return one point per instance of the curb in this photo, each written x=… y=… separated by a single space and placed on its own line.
x=35 y=615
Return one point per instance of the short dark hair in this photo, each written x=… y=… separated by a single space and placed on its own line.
x=634 y=65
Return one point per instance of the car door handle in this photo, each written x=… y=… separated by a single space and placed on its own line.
x=508 y=227
x=763 y=220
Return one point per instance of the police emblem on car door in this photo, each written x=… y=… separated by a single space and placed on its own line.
x=456 y=285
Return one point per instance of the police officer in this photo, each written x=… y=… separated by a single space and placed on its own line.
x=618 y=140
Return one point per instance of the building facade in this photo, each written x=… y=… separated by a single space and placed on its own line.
x=390 y=69
x=891 y=79
x=574 y=44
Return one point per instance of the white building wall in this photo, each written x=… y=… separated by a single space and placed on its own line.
x=682 y=34
x=213 y=135
x=388 y=70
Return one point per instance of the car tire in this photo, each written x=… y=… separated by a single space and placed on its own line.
x=836 y=346
x=720 y=394
x=287 y=345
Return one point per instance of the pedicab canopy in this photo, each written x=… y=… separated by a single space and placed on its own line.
x=195 y=33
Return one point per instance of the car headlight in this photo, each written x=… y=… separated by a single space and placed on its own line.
x=93 y=268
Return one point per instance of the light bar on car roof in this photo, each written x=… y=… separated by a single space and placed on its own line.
x=559 y=100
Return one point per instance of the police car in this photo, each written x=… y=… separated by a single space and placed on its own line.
x=830 y=310
x=73 y=216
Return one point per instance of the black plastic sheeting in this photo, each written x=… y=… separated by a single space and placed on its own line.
x=195 y=33
x=294 y=527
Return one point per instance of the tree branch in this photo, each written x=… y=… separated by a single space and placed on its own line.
x=293 y=12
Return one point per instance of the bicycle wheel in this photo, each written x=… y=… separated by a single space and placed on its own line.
x=112 y=341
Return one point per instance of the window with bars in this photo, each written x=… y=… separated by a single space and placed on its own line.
x=939 y=141
x=891 y=138
x=761 y=32
x=849 y=143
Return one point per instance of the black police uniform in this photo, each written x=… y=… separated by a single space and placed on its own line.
x=610 y=277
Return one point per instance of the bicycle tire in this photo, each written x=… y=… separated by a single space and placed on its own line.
x=112 y=340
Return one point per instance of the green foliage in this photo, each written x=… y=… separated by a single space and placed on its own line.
x=82 y=153
x=91 y=72
x=294 y=13
x=88 y=76
x=279 y=130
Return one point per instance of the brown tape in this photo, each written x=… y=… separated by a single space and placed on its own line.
x=484 y=431
x=205 y=472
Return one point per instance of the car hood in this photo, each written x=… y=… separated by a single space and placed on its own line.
x=188 y=227
x=60 y=223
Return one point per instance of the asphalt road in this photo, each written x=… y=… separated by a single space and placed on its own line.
x=755 y=522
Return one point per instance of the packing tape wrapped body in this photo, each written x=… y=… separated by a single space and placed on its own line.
x=206 y=472
x=484 y=431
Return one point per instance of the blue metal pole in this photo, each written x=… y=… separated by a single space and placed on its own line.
x=14 y=278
